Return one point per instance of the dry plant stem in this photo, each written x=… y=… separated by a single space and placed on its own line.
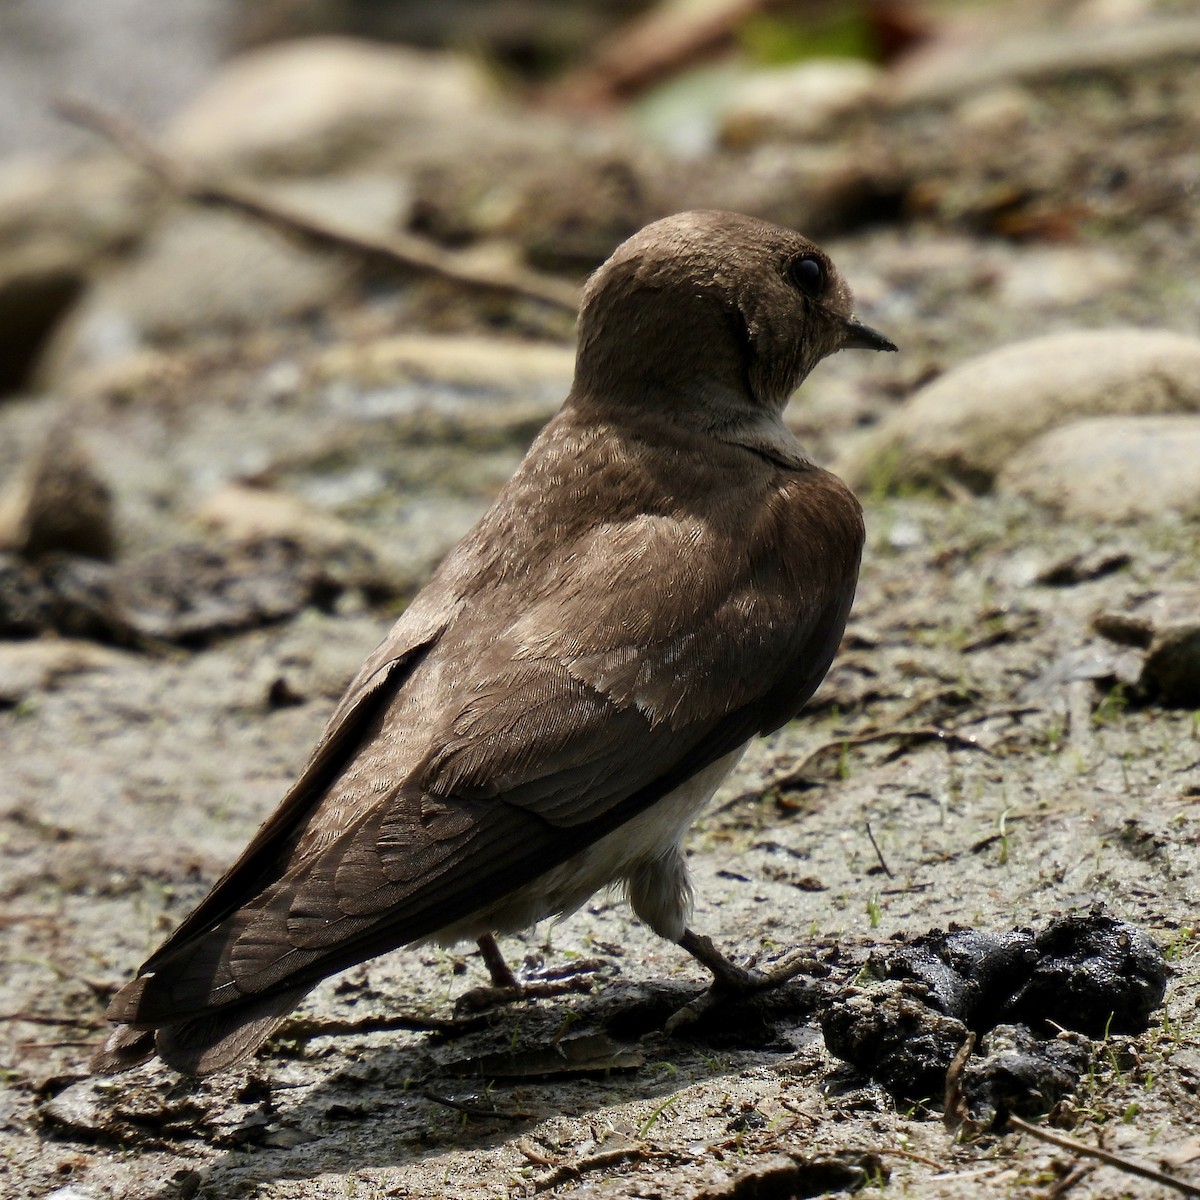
x=1068 y=1181
x=597 y=1162
x=396 y=250
x=1105 y=1156
x=879 y=853
x=912 y=1155
x=910 y=735
x=657 y=45
x=308 y=1027
x=474 y=1110
x=954 y=1111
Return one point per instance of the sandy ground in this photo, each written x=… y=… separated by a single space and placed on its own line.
x=973 y=758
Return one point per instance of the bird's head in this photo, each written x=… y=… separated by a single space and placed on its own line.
x=714 y=312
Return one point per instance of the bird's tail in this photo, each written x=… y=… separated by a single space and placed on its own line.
x=195 y=1045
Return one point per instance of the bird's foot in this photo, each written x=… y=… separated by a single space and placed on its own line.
x=480 y=998
x=731 y=981
x=506 y=988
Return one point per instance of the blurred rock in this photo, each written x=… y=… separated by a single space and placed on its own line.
x=192 y=593
x=26 y=604
x=314 y=105
x=1167 y=625
x=240 y=513
x=1171 y=672
x=465 y=390
x=35 y=666
x=967 y=424
x=491 y=364
x=823 y=189
x=61 y=506
x=1058 y=276
x=797 y=103
x=956 y=67
x=141 y=56
x=1004 y=112
x=57 y=220
x=200 y=270
x=1112 y=468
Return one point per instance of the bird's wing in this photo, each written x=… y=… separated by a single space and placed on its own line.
x=377 y=681
x=598 y=697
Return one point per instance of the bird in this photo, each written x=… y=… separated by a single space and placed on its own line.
x=666 y=576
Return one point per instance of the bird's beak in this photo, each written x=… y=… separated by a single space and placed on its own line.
x=863 y=337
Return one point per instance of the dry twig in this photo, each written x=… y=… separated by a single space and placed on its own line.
x=1105 y=1156
x=405 y=251
x=955 y=1113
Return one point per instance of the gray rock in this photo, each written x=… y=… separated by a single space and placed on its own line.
x=312 y=105
x=1171 y=672
x=57 y=221
x=1057 y=276
x=62 y=505
x=967 y=424
x=970 y=64
x=40 y=664
x=1112 y=468
x=199 y=270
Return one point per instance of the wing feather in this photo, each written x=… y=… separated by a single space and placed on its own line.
x=486 y=744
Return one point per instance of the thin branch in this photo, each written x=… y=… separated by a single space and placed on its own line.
x=569 y=1172
x=1105 y=1156
x=401 y=250
x=898 y=1152
x=910 y=736
x=879 y=853
x=475 y=1110
x=303 y=1028
x=1068 y=1181
x=955 y=1113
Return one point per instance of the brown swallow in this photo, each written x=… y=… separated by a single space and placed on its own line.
x=665 y=577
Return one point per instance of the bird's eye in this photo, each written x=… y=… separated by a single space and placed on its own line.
x=808 y=275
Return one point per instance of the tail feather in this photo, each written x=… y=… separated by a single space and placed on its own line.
x=198 y=1045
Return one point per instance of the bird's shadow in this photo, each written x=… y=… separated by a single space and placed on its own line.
x=416 y=1097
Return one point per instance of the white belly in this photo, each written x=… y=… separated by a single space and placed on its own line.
x=643 y=854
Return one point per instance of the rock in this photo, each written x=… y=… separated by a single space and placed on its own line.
x=486 y=364
x=318 y=104
x=35 y=666
x=56 y=223
x=196 y=271
x=796 y=103
x=954 y=69
x=1171 y=671
x=1059 y=276
x=967 y=424
x=241 y=513
x=26 y=604
x=141 y=56
x=62 y=506
x=1167 y=625
x=451 y=388
x=1112 y=468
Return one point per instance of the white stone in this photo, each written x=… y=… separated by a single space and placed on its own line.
x=968 y=423
x=1112 y=468
x=315 y=103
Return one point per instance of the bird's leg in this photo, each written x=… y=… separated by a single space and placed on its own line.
x=506 y=987
x=501 y=973
x=728 y=978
